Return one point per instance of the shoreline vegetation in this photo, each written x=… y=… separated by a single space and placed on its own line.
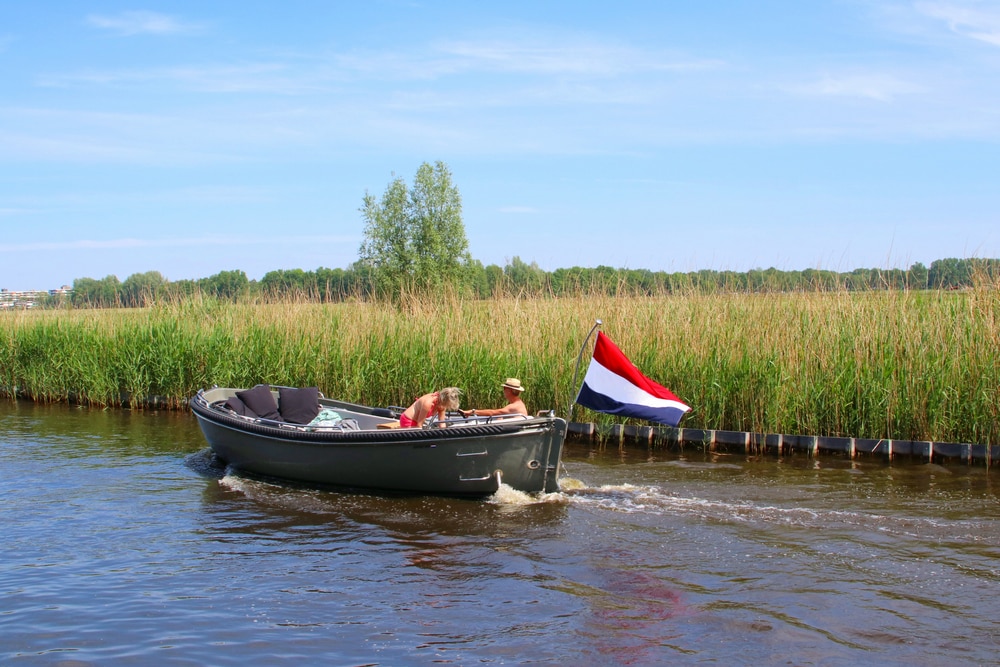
x=470 y=279
x=902 y=364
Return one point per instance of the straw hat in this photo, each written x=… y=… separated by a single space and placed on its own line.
x=513 y=383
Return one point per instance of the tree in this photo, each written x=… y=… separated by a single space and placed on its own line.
x=949 y=273
x=336 y=284
x=228 y=285
x=415 y=238
x=385 y=253
x=142 y=289
x=283 y=283
x=524 y=278
x=495 y=281
x=104 y=293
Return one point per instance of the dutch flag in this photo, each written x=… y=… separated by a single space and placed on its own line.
x=613 y=385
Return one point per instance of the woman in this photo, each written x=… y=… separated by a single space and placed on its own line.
x=437 y=402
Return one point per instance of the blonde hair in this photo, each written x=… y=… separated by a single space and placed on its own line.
x=449 y=398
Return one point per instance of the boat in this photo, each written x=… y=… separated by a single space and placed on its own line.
x=362 y=448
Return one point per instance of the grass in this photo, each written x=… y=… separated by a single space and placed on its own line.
x=907 y=365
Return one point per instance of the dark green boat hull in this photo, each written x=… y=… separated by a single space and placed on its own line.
x=466 y=458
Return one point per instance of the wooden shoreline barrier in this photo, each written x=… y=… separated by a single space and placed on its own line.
x=752 y=444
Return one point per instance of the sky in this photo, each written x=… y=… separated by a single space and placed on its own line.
x=191 y=138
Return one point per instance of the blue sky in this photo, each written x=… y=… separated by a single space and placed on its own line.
x=191 y=138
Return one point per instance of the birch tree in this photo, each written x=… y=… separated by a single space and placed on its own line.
x=414 y=238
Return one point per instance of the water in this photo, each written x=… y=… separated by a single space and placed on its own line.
x=123 y=543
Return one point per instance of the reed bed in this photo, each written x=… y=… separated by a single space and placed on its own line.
x=901 y=364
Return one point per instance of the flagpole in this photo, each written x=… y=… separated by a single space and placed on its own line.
x=569 y=413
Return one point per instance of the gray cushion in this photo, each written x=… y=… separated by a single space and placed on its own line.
x=260 y=400
x=239 y=407
x=298 y=406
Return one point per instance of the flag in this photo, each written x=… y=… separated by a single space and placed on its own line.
x=613 y=385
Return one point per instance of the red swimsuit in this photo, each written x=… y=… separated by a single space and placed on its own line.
x=406 y=422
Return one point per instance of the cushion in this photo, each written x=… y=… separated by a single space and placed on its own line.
x=260 y=400
x=298 y=406
x=239 y=407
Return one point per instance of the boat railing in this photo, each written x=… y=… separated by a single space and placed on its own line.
x=452 y=419
x=477 y=420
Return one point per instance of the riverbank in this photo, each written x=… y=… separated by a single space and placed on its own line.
x=907 y=366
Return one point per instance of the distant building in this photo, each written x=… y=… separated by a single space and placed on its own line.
x=28 y=298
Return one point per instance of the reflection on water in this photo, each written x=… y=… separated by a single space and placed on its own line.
x=125 y=542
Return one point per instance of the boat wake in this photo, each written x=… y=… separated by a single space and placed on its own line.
x=234 y=482
x=649 y=501
x=508 y=496
x=654 y=501
x=282 y=495
x=205 y=464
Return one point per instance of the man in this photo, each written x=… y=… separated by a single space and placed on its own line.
x=512 y=389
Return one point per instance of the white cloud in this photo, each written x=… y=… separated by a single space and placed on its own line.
x=549 y=93
x=273 y=78
x=872 y=86
x=4 y=212
x=126 y=243
x=546 y=55
x=139 y=23
x=518 y=209
x=569 y=57
x=971 y=20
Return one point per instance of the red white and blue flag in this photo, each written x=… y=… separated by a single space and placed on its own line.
x=615 y=386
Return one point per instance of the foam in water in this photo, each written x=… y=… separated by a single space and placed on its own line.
x=571 y=484
x=233 y=482
x=508 y=495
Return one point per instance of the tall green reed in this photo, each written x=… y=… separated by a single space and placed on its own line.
x=915 y=365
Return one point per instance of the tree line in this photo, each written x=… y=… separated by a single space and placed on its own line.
x=518 y=278
x=415 y=243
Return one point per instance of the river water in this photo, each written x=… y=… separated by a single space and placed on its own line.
x=124 y=543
